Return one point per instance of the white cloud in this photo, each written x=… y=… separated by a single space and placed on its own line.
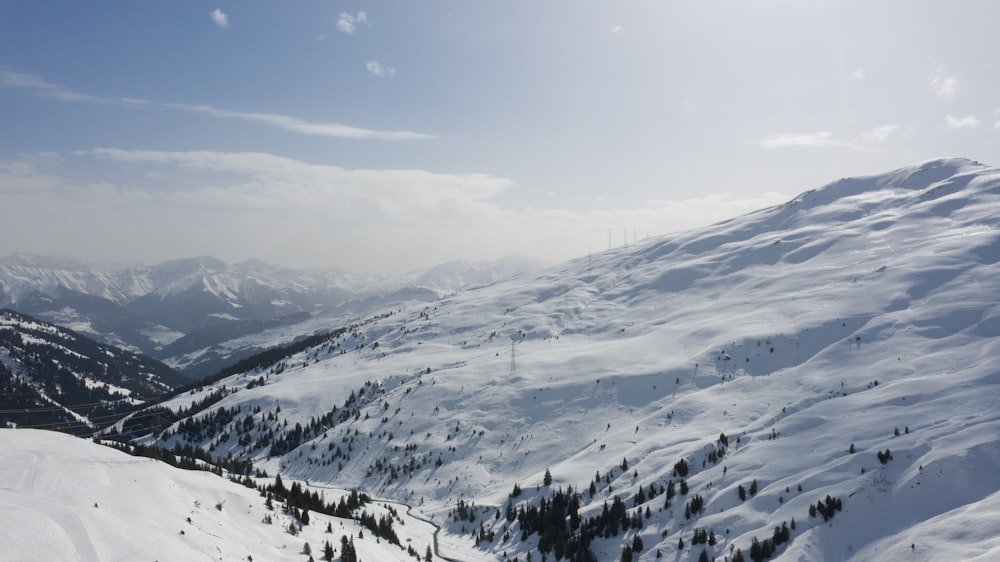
x=616 y=29
x=10 y=79
x=347 y=23
x=284 y=122
x=879 y=134
x=277 y=184
x=25 y=175
x=377 y=69
x=858 y=74
x=237 y=205
x=944 y=84
x=865 y=141
x=300 y=126
x=220 y=18
x=965 y=122
x=821 y=139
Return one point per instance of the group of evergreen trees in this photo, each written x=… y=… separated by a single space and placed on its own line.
x=565 y=534
x=299 y=502
x=742 y=492
x=57 y=388
x=827 y=508
x=186 y=457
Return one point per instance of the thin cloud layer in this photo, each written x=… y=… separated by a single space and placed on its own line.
x=962 y=122
x=40 y=86
x=296 y=213
x=866 y=141
x=274 y=184
x=819 y=139
x=47 y=89
x=880 y=134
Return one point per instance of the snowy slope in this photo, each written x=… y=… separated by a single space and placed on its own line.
x=860 y=308
x=64 y=498
x=53 y=378
x=186 y=311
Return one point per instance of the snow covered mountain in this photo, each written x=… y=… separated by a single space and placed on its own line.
x=460 y=275
x=812 y=381
x=185 y=309
x=53 y=378
x=69 y=499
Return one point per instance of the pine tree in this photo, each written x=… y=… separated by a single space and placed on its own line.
x=328 y=551
x=347 y=551
x=755 y=550
x=547 y=480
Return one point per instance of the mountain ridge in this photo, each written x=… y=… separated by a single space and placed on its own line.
x=52 y=377
x=802 y=332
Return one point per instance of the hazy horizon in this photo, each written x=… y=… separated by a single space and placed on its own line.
x=392 y=137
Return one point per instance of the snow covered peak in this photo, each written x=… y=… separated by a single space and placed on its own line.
x=916 y=177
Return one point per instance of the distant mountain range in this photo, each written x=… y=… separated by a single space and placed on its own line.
x=180 y=311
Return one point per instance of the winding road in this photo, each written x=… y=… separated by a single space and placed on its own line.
x=409 y=513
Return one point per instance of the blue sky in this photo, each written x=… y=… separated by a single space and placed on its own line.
x=390 y=136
